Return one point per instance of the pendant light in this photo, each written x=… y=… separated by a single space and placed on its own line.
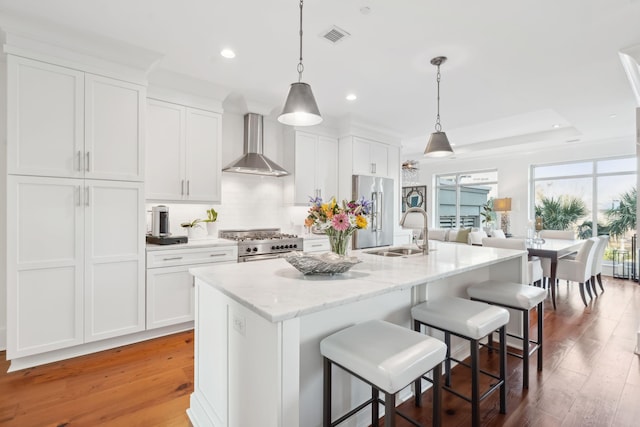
x=300 y=109
x=438 y=145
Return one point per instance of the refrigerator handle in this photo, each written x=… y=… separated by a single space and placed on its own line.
x=376 y=215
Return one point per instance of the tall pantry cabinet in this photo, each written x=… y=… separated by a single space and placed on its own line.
x=75 y=207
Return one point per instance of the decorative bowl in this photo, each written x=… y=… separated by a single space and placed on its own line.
x=326 y=263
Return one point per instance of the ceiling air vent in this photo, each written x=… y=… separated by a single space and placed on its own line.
x=334 y=34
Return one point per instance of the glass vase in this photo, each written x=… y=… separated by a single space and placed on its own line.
x=339 y=241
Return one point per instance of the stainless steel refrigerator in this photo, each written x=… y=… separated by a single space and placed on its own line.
x=380 y=192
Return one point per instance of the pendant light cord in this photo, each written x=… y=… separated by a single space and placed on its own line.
x=438 y=125
x=300 y=66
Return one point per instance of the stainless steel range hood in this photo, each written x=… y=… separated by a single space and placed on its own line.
x=253 y=162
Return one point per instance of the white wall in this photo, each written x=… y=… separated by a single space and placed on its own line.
x=513 y=172
x=3 y=208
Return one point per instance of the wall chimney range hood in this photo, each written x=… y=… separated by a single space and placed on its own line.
x=253 y=162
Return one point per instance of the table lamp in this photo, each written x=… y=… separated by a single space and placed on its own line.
x=503 y=206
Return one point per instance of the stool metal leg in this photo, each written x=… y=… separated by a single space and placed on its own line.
x=326 y=398
x=375 y=416
x=389 y=410
x=447 y=361
x=437 y=395
x=525 y=348
x=475 y=382
x=540 y=333
x=417 y=392
x=503 y=369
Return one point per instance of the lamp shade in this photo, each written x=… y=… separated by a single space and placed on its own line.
x=502 y=205
x=301 y=108
x=438 y=145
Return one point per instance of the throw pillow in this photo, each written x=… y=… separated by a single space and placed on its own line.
x=463 y=235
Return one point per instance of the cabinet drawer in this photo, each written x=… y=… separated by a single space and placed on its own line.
x=317 y=245
x=175 y=257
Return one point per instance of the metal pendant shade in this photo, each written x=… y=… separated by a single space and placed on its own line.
x=438 y=145
x=300 y=108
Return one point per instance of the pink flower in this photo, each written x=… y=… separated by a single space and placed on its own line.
x=340 y=222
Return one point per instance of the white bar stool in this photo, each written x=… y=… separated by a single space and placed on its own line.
x=388 y=357
x=471 y=320
x=518 y=297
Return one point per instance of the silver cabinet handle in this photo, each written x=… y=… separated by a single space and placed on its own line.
x=182 y=187
x=188 y=181
x=172 y=258
x=79 y=160
x=77 y=196
x=317 y=245
x=88 y=165
x=86 y=196
x=218 y=254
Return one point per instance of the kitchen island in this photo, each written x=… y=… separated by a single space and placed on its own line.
x=259 y=325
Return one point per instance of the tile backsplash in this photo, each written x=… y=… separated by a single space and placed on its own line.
x=248 y=201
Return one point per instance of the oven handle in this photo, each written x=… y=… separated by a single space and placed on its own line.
x=258 y=257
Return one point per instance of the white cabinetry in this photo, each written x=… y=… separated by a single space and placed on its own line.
x=76 y=272
x=66 y=123
x=183 y=153
x=369 y=157
x=317 y=245
x=170 y=287
x=313 y=163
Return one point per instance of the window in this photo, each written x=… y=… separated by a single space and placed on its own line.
x=460 y=198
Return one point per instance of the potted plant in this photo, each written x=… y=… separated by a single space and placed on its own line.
x=488 y=216
x=192 y=227
x=212 y=217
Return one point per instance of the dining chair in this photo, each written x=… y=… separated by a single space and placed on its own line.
x=596 y=270
x=553 y=234
x=534 y=273
x=578 y=269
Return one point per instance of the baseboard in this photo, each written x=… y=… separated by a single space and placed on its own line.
x=93 y=347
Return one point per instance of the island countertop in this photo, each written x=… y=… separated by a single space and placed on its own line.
x=275 y=290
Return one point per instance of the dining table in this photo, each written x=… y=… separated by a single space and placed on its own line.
x=554 y=249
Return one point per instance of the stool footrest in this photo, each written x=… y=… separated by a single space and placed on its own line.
x=483 y=396
x=354 y=411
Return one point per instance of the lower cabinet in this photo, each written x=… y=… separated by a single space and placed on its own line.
x=317 y=245
x=75 y=262
x=170 y=287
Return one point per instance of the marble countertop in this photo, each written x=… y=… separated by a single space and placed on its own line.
x=277 y=291
x=193 y=243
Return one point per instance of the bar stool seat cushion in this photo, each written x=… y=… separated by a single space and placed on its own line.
x=387 y=355
x=470 y=319
x=508 y=293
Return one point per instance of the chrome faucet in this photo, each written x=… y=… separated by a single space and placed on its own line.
x=425 y=230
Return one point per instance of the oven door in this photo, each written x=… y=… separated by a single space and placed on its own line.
x=258 y=257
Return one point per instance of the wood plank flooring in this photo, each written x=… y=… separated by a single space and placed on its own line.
x=591 y=377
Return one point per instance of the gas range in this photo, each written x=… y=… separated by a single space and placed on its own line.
x=263 y=243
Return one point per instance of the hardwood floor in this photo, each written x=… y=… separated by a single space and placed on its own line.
x=591 y=377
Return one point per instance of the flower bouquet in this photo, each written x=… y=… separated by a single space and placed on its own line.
x=338 y=221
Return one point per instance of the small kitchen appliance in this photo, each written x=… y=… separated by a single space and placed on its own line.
x=263 y=243
x=160 y=234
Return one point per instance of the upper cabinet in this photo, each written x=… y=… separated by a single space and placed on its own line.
x=312 y=161
x=67 y=123
x=369 y=157
x=183 y=153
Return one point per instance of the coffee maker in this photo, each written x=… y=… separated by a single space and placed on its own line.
x=160 y=229
x=160 y=221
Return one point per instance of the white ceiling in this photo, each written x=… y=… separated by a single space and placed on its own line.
x=515 y=68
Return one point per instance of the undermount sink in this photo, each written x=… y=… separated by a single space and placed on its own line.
x=395 y=252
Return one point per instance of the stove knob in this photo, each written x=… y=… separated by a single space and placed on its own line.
x=255 y=249
x=290 y=246
x=273 y=247
x=280 y=247
x=295 y=246
x=248 y=249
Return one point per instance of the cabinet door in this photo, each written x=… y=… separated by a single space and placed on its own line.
x=44 y=264
x=170 y=296
x=113 y=129
x=114 y=259
x=45 y=119
x=202 y=154
x=362 y=157
x=305 y=167
x=379 y=158
x=165 y=161
x=327 y=167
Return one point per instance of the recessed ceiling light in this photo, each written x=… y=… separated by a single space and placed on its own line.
x=555 y=126
x=351 y=97
x=613 y=116
x=228 y=53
